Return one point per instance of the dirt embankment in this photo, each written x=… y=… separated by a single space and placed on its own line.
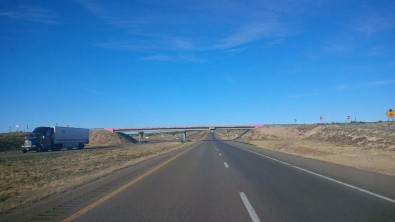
x=365 y=137
x=365 y=146
x=104 y=137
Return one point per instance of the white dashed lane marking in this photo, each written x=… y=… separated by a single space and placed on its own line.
x=322 y=176
x=250 y=209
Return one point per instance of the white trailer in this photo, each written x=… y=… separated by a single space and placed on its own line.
x=55 y=138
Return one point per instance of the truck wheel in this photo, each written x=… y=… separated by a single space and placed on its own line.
x=81 y=146
x=24 y=151
x=38 y=148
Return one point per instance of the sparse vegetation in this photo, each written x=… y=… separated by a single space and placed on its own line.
x=11 y=141
x=26 y=178
x=30 y=177
x=368 y=146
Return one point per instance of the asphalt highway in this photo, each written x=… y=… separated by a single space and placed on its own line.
x=216 y=180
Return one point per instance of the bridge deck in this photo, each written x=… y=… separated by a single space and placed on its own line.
x=184 y=128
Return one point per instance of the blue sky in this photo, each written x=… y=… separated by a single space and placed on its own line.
x=94 y=63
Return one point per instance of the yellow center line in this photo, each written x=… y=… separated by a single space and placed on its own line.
x=120 y=189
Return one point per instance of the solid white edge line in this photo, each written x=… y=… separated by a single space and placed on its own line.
x=226 y=165
x=322 y=176
x=250 y=209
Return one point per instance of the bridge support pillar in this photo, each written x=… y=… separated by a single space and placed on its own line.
x=185 y=135
x=141 y=137
x=228 y=132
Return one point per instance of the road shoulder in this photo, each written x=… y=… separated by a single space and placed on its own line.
x=374 y=182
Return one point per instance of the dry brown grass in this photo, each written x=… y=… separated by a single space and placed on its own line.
x=365 y=136
x=369 y=146
x=375 y=160
x=26 y=179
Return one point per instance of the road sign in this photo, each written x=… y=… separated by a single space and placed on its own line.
x=390 y=113
x=321 y=117
x=348 y=117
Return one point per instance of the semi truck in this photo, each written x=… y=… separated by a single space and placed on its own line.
x=55 y=138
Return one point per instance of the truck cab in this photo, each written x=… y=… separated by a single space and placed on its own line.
x=40 y=140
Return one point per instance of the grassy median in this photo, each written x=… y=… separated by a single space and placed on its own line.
x=28 y=178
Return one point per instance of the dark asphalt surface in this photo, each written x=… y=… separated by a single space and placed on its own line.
x=197 y=186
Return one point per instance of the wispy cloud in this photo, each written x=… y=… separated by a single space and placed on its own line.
x=183 y=43
x=137 y=45
x=235 y=42
x=252 y=33
x=363 y=85
x=160 y=58
x=78 y=85
x=373 y=23
x=110 y=16
x=339 y=44
x=31 y=13
x=95 y=8
x=155 y=43
x=146 y=26
x=380 y=50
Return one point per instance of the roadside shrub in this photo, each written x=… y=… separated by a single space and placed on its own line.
x=12 y=141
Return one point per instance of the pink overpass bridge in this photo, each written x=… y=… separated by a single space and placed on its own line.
x=185 y=129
